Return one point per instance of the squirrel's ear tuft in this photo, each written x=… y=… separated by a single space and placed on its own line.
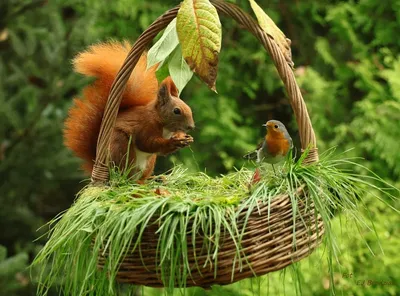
x=172 y=89
x=163 y=95
x=167 y=89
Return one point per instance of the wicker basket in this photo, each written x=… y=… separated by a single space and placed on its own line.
x=268 y=243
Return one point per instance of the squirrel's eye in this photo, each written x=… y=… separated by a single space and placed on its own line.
x=276 y=126
x=177 y=111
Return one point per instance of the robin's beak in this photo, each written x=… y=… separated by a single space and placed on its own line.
x=264 y=125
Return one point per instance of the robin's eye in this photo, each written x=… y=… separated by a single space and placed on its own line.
x=177 y=111
x=276 y=126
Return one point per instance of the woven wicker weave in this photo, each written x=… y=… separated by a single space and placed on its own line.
x=268 y=242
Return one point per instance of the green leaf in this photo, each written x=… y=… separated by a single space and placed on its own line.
x=269 y=27
x=179 y=69
x=13 y=264
x=164 y=46
x=17 y=44
x=162 y=71
x=322 y=46
x=199 y=32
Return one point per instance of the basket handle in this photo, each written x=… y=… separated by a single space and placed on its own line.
x=100 y=171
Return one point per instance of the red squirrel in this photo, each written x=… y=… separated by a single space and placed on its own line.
x=155 y=117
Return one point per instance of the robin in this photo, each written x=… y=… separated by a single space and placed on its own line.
x=275 y=146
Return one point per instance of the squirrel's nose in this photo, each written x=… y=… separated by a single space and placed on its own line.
x=190 y=127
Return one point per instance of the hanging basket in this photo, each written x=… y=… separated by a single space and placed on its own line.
x=109 y=236
x=269 y=242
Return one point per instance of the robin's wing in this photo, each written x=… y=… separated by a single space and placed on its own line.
x=287 y=136
x=253 y=154
x=290 y=143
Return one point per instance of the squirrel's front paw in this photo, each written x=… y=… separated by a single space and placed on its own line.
x=181 y=140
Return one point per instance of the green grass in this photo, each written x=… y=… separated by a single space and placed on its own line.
x=113 y=215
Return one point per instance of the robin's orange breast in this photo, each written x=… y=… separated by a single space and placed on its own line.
x=277 y=145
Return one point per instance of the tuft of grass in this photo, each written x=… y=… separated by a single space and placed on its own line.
x=110 y=218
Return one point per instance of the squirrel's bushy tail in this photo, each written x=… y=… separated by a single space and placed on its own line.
x=103 y=62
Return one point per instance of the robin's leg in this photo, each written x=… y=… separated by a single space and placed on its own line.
x=273 y=169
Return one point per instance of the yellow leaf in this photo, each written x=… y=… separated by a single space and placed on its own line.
x=199 y=32
x=269 y=27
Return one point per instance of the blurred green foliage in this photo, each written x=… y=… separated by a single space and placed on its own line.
x=347 y=59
